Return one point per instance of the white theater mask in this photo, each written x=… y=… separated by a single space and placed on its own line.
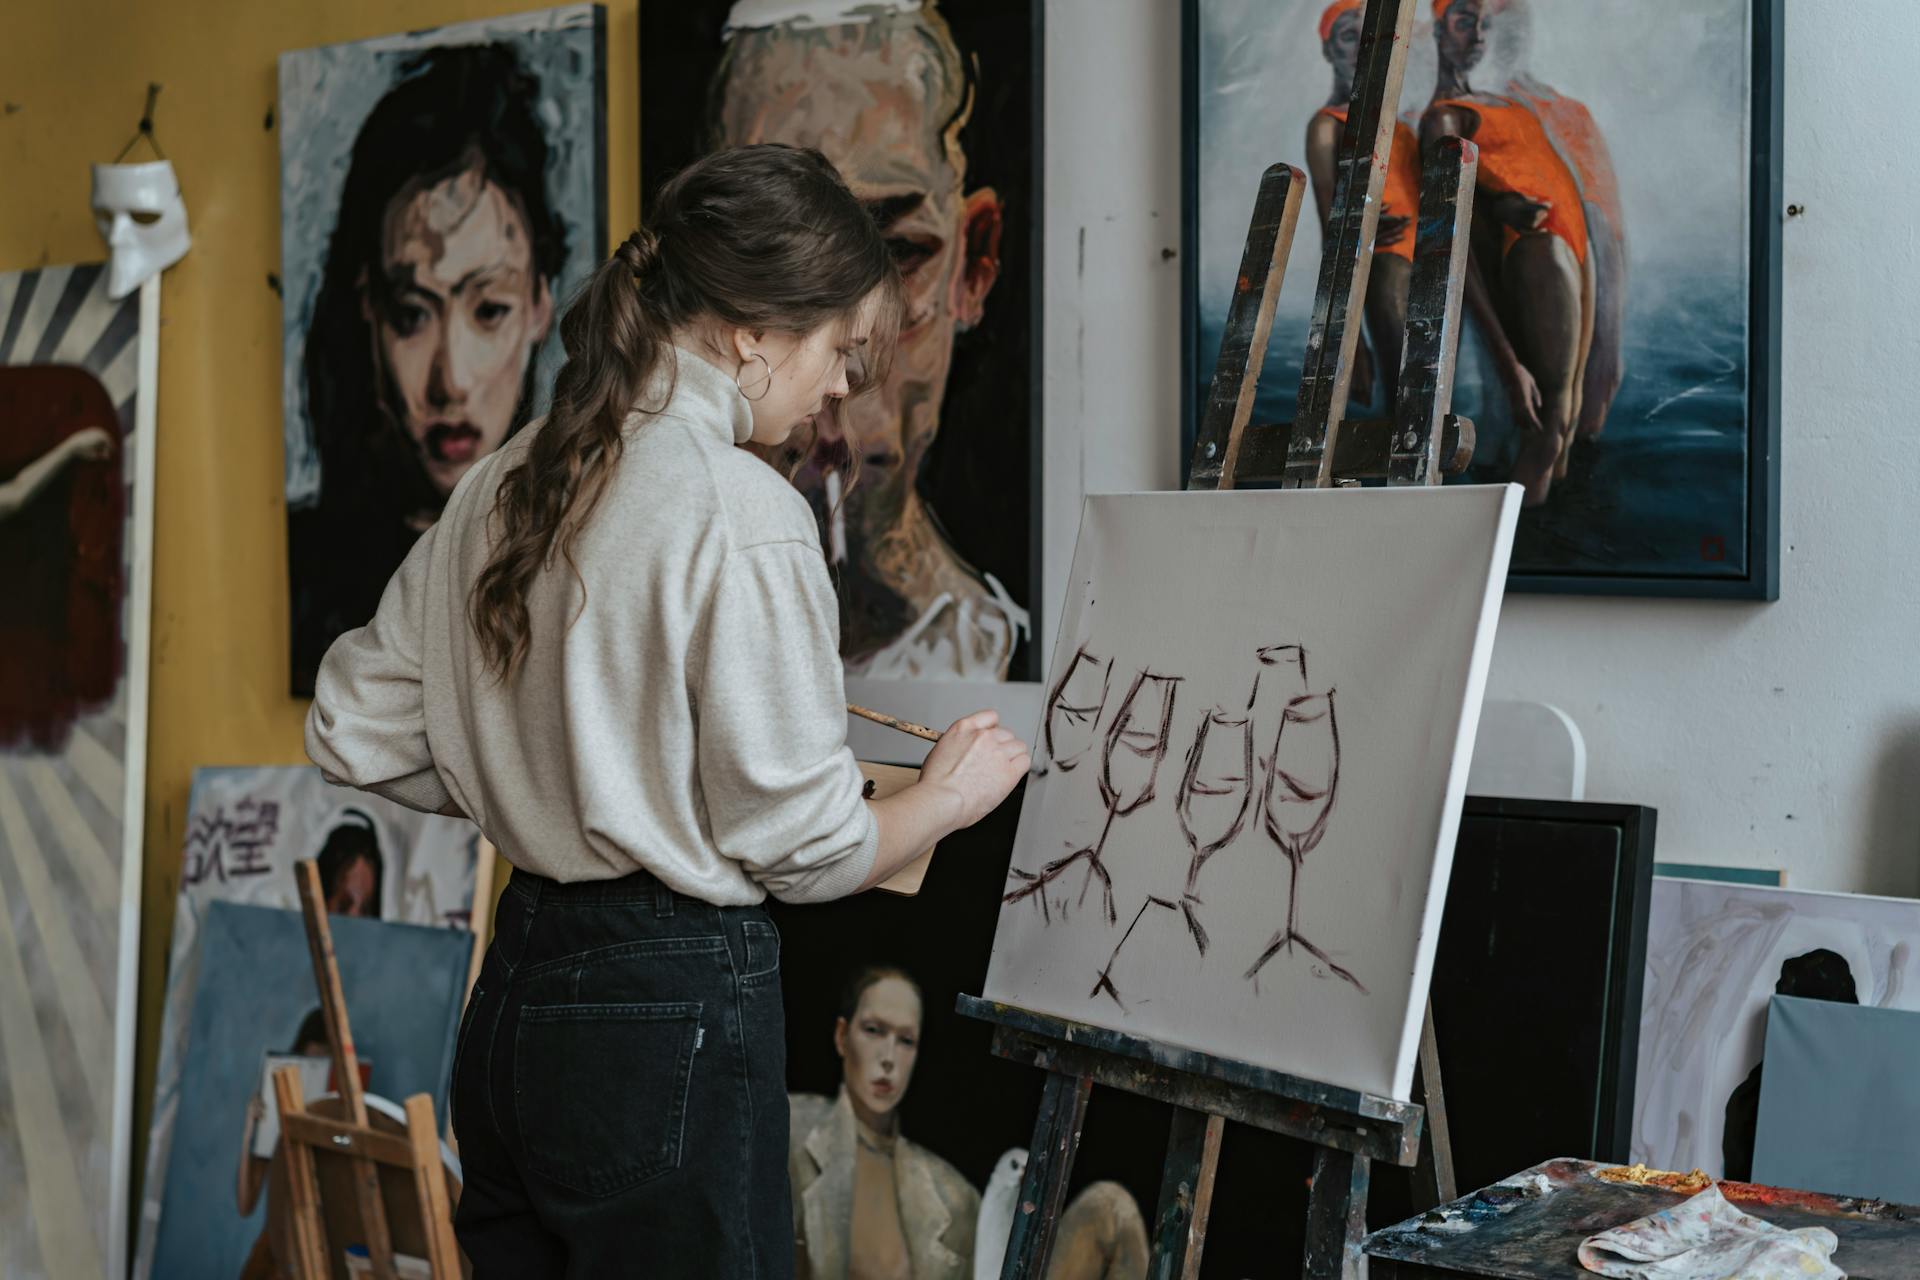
x=143 y=220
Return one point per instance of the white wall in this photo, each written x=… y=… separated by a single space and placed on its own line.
x=1783 y=735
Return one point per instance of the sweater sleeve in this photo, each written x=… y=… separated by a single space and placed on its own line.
x=783 y=793
x=367 y=727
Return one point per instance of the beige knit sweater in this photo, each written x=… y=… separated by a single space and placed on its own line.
x=681 y=706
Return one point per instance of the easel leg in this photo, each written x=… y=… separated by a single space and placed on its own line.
x=1043 y=1189
x=1186 y=1195
x=307 y=1231
x=1434 y=1183
x=1336 y=1216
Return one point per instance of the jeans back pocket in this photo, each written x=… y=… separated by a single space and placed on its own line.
x=601 y=1091
x=762 y=959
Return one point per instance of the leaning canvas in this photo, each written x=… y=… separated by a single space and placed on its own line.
x=1840 y=1109
x=1716 y=953
x=76 y=521
x=403 y=986
x=245 y=828
x=1249 y=772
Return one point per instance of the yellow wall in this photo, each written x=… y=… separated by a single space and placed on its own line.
x=73 y=75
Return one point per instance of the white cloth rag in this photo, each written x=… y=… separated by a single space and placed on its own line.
x=1706 y=1238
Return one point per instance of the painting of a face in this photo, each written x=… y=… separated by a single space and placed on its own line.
x=927 y=485
x=352 y=893
x=1462 y=32
x=442 y=194
x=1343 y=43
x=879 y=1045
x=845 y=93
x=458 y=316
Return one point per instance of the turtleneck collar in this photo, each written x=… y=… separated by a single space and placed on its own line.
x=703 y=395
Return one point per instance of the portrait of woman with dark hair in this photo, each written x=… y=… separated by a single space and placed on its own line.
x=350 y=866
x=433 y=294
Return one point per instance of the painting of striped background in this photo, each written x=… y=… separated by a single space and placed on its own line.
x=70 y=824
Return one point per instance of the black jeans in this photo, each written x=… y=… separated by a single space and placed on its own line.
x=619 y=1089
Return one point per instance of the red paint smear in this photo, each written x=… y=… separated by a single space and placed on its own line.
x=60 y=570
x=1781 y=1197
x=1244 y=284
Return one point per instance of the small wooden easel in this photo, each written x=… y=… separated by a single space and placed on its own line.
x=1421 y=441
x=310 y=1141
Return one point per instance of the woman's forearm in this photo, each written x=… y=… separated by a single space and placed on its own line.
x=910 y=820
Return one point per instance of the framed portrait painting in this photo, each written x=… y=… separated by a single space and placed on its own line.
x=442 y=194
x=930 y=504
x=1620 y=359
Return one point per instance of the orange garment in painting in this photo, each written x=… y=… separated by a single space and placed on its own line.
x=1571 y=128
x=1516 y=155
x=1400 y=196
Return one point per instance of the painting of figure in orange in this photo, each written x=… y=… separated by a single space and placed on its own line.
x=1531 y=283
x=1582 y=147
x=927 y=498
x=1620 y=327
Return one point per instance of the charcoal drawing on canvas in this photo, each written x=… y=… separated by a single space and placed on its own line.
x=1247 y=779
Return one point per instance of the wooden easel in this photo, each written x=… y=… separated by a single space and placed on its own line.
x=307 y=1139
x=1416 y=445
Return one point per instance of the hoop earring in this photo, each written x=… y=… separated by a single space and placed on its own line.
x=765 y=386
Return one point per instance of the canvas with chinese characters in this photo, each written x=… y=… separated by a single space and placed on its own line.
x=1249 y=769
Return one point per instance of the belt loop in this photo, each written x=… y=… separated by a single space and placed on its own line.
x=662 y=900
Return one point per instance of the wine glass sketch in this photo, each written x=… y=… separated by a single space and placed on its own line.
x=1215 y=795
x=1071 y=725
x=1212 y=805
x=1302 y=780
x=1135 y=745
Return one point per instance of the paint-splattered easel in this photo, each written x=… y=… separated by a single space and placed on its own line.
x=1416 y=445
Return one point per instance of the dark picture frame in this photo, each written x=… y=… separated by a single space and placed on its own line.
x=1755 y=546
x=1500 y=841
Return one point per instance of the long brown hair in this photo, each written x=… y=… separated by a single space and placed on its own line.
x=765 y=237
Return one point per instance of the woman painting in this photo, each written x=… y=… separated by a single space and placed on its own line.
x=617 y=652
x=1530 y=284
x=1392 y=267
x=435 y=299
x=871 y=1205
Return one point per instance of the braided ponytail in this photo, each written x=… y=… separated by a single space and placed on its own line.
x=762 y=238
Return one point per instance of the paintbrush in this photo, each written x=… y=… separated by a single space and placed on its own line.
x=892 y=722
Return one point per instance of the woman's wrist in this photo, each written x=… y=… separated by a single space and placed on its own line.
x=948 y=807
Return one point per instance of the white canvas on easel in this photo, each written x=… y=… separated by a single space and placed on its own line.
x=1243 y=681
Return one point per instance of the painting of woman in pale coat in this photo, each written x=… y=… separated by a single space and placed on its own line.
x=870 y=1205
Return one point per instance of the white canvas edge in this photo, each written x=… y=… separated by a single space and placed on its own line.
x=1480 y=664
x=1787 y=888
x=134 y=801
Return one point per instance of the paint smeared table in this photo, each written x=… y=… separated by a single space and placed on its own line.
x=1529 y=1227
